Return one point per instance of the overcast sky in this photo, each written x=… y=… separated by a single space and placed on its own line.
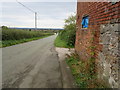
x=49 y=14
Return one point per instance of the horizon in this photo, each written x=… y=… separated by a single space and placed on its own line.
x=30 y=28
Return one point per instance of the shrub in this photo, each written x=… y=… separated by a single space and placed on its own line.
x=69 y=32
x=13 y=34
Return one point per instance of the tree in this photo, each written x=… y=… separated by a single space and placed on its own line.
x=70 y=20
x=69 y=32
x=4 y=27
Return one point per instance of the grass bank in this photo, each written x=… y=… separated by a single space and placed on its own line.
x=83 y=72
x=66 y=38
x=16 y=36
x=7 y=43
x=61 y=43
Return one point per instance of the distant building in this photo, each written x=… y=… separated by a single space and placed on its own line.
x=98 y=28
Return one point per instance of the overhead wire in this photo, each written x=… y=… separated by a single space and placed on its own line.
x=31 y=11
x=25 y=6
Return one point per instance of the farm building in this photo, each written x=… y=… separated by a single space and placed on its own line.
x=97 y=35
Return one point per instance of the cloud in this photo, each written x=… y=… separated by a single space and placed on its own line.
x=40 y=0
x=51 y=23
x=49 y=15
x=19 y=21
x=23 y=21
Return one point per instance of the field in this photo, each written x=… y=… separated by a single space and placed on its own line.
x=14 y=36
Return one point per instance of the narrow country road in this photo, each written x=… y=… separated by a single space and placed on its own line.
x=31 y=65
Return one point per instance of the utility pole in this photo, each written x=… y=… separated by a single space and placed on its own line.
x=35 y=20
x=31 y=11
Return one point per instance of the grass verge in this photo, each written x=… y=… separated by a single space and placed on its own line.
x=83 y=73
x=61 y=43
x=7 y=43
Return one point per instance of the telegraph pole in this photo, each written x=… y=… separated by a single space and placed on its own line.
x=35 y=20
x=31 y=11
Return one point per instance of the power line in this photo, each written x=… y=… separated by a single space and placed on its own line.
x=31 y=11
x=26 y=7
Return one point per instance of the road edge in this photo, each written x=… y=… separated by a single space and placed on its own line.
x=67 y=77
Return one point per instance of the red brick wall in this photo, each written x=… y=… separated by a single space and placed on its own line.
x=99 y=13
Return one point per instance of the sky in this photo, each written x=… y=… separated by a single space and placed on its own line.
x=49 y=14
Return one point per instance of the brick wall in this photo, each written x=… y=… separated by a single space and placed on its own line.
x=101 y=14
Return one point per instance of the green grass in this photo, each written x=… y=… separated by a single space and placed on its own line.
x=81 y=71
x=61 y=43
x=7 y=43
x=0 y=44
x=15 y=36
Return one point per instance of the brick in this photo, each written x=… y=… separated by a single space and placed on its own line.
x=99 y=13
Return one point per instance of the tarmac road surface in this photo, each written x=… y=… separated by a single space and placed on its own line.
x=31 y=65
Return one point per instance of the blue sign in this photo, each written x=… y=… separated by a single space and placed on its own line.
x=85 y=22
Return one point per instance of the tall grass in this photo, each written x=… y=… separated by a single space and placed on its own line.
x=59 y=42
x=83 y=73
